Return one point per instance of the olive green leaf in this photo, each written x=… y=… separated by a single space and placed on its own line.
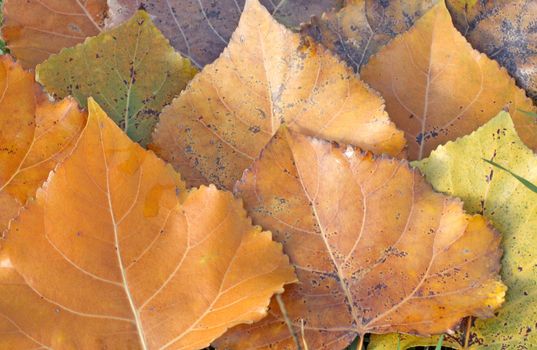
x=457 y=168
x=132 y=71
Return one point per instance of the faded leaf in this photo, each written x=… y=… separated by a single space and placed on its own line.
x=438 y=88
x=35 y=29
x=35 y=135
x=376 y=250
x=362 y=27
x=457 y=168
x=147 y=265
x=505 y=31
x=267 y=76
x=200 y=29
x=131 y=71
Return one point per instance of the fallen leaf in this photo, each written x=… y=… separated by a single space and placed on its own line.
x=201 y=29
x=267 y=76
x=457 y=169
x=35 y=135
x=35 y=29
x=438 y=88
x=505 y=31
x=132 y=71
x=376 y=250
x=114 y=253
x=362 y=27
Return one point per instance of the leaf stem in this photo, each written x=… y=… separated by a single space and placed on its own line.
x=360 y=342
x=288 y=321
x=467 y=332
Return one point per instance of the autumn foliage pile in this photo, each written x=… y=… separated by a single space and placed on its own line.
x=268 y=175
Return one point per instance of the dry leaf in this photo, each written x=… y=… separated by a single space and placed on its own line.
x=200 y=30
x=114 y=253
x=362 y=27
x=505 y=31
x=267 y=76
x=376 y=250
x=132 y=71
x=35 y=135
x=35 y=29
x=457 y=168
x=438 y=88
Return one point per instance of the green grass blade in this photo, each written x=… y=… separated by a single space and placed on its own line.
x=525 y=182
x=440 y=341
x=528 y=113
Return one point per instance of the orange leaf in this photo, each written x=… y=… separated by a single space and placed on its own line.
x=35 y=29
x=114 y=253
x=265 y=77
x=35 y=135
x=437 y=88
x=376 y=250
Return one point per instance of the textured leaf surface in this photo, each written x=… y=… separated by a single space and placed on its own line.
x=35 y=29
x=35 y=134
x=505 y=31
x=362 y=27
x=376 y=250
x=458 y=169
x=131 y=71
x=200 y=29
x=267 y=76
x=438 y=88
x=146 y=262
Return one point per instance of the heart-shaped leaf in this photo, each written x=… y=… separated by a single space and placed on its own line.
x=376 y=250
x=267 y=76
x=438 y=88
x=131 y=71
x=114 y=253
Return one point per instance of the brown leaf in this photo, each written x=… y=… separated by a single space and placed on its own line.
x=362 y=27
x=35 y=29
x=376 y=250
x=438 y=88
x=200 y=29
x=267 y=76
x=505 y=31
x=35 y=135
x=115 y=254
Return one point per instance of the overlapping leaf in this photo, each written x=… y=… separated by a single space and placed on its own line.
x=35 y=134
x=438 y=88
x=267 y=76
x=200 y=30
x=362 y=27
x=458 y=169
x=376 y=250
x=115 y=254
x=35 y=29
x=505 y=31
x=131 y=71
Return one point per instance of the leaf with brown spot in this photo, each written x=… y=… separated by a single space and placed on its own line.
x=376 y=250
x=505 y=31
x=35 y=135
x=114 y=253
x=132 y=71
x=35 y=29
x=438 y=88
x=362 y=27
x=267 y=76
x=200 y=29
